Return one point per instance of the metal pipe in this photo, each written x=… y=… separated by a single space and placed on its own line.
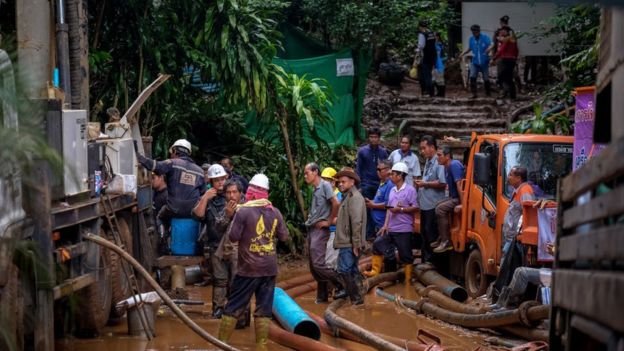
x=526 y=333
x=33 y=48
x=295 y=341
x=62 y=49
x=192 y=274
x=487 y=320
x=408 y=344
x=163 y=295
x=446 y=302
x=292 y=317
x=369 y=338
x=426 y=274
x=178 y=277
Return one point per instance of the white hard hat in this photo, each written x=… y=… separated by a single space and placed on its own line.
x=260 y=180
x=216 y=171
x=400 y=167
x=182 y=143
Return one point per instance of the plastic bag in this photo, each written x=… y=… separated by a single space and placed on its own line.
x=331 y=254
x=413 y=72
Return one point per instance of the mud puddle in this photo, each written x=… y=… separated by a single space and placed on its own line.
x=379 y=315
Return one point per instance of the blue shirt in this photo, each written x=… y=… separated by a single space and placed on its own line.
x=453 y=173
x=479 y=49
x=382 y=196
x=366 y=163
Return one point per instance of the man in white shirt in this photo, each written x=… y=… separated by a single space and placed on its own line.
x=404 y=154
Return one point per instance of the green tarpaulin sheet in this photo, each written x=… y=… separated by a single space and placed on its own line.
x=344 y=70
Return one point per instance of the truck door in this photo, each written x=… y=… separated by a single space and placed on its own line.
x=482 y=214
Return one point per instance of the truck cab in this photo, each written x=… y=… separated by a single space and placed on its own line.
x=476 y=231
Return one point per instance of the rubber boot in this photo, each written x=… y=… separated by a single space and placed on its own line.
x=473 y=87
x=228 y=323
x=488 y=88
x=321 y=292
x=441 y=90
x=408 y=273
x=376 y=265
x=262 y=332
x=245 y=320
x=390 y=265
x=339 y=290
x=355 y=289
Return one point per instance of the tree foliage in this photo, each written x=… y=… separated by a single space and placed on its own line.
x=378 y=24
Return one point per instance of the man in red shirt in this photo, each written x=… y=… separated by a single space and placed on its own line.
x=508 y=54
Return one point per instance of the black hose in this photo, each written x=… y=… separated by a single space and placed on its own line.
x=486 y=320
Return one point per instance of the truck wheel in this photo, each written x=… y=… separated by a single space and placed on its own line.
x=94 y=301
x=121 y=289
x=12 y=317
x=475 y=277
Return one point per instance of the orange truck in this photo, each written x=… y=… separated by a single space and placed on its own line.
x=476 y=230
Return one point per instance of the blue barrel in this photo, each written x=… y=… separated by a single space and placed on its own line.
x=184 y=233
x=292 y=317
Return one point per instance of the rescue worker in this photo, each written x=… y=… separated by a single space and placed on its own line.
x=368 y=156
x=229 y=168
x=426 y=50
x=430 y=192
x=159 y=187
x=405 y=155
x=185 y=181
x=378 y=211
x=227 y=251
x=350 y=234
x=323 y=210
x=479 y=44
x=210 y=207
x=396 y=234
x=331 y=254
x=254 y=227
x=523 y=191
x=453 y=173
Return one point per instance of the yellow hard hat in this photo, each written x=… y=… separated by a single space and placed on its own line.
x=328 y=173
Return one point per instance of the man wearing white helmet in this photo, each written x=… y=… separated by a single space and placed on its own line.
x=185 y=180
x=398 y=229
x=210 y=207
x=255 y=227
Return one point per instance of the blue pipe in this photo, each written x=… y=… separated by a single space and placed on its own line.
x=292 y=317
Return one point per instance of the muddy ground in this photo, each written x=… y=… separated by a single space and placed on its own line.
x=379 y=315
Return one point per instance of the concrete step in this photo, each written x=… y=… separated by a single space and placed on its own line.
x=402 y=114
x=448 y=101
x=443 y=121
x=448 y=108
x=440 y=132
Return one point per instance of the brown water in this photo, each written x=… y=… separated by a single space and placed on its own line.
x=378 y=315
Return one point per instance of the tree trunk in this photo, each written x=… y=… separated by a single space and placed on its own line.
x=291 y=165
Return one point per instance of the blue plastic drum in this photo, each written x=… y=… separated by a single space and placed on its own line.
x=184 y=233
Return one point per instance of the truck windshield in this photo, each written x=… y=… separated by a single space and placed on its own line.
x=545 y=163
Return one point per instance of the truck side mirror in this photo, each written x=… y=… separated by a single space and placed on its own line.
x=481 y=172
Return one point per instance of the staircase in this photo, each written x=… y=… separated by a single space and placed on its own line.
x=447 y=117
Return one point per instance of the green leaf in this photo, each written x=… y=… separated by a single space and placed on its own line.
x=224 y=37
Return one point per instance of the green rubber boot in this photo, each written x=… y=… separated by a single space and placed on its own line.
x=228 y=323
x=262 y=332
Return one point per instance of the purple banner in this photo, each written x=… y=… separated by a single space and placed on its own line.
x=584 y=146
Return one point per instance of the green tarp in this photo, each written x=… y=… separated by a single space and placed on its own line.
x=344 y=70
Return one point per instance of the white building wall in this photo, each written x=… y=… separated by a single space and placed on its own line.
x=524 y=17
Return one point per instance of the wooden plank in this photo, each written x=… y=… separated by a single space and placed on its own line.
x=604 y=244
x=603 y=206
x=604 y=167
x=593 y=294
x=168 y=261
x=70 y=285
